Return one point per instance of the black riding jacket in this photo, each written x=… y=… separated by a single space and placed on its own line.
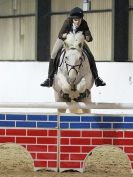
x=67 y=27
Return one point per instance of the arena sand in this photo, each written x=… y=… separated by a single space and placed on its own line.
x=103 y=161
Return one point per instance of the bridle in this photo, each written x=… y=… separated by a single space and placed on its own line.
x=69 y=67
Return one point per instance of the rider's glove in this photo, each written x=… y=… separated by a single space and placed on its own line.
x=87 y=38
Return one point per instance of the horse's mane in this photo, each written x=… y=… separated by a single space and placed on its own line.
x=74 y=39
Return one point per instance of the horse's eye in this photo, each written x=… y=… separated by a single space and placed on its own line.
x=66 y=57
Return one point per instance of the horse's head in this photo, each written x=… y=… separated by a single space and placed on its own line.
x=72 y=62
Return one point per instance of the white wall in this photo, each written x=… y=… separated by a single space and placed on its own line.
x=20 y=82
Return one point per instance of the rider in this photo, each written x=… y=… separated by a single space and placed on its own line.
x=73 y=23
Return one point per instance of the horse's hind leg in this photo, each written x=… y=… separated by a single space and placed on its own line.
x=58 y=98
x=86 y=101
x=75 y=111
x=79 y=111
x=61 y=111
x=86 y=111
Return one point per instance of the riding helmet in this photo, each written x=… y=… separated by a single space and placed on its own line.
x=76 y=13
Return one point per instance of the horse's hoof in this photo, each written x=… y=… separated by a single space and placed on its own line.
x=84 y=94
x=81 y=96
x=66 y=97
x=76 y=99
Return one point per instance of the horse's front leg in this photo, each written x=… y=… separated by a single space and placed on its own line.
x=82 y=89
x=81 y=86
x=65 y=89
x=61 y=84
x=64 y=85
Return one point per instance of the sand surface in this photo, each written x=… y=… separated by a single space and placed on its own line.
x=103 y=161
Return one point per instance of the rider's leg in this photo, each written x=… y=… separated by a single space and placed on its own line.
x=98 y=80
x=52 y=68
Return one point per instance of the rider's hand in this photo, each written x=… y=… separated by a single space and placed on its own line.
x=87 y=38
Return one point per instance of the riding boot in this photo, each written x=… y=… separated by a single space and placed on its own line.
x=98 y=80
x=51 y=71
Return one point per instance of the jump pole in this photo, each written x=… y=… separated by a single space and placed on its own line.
x=66 y=105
